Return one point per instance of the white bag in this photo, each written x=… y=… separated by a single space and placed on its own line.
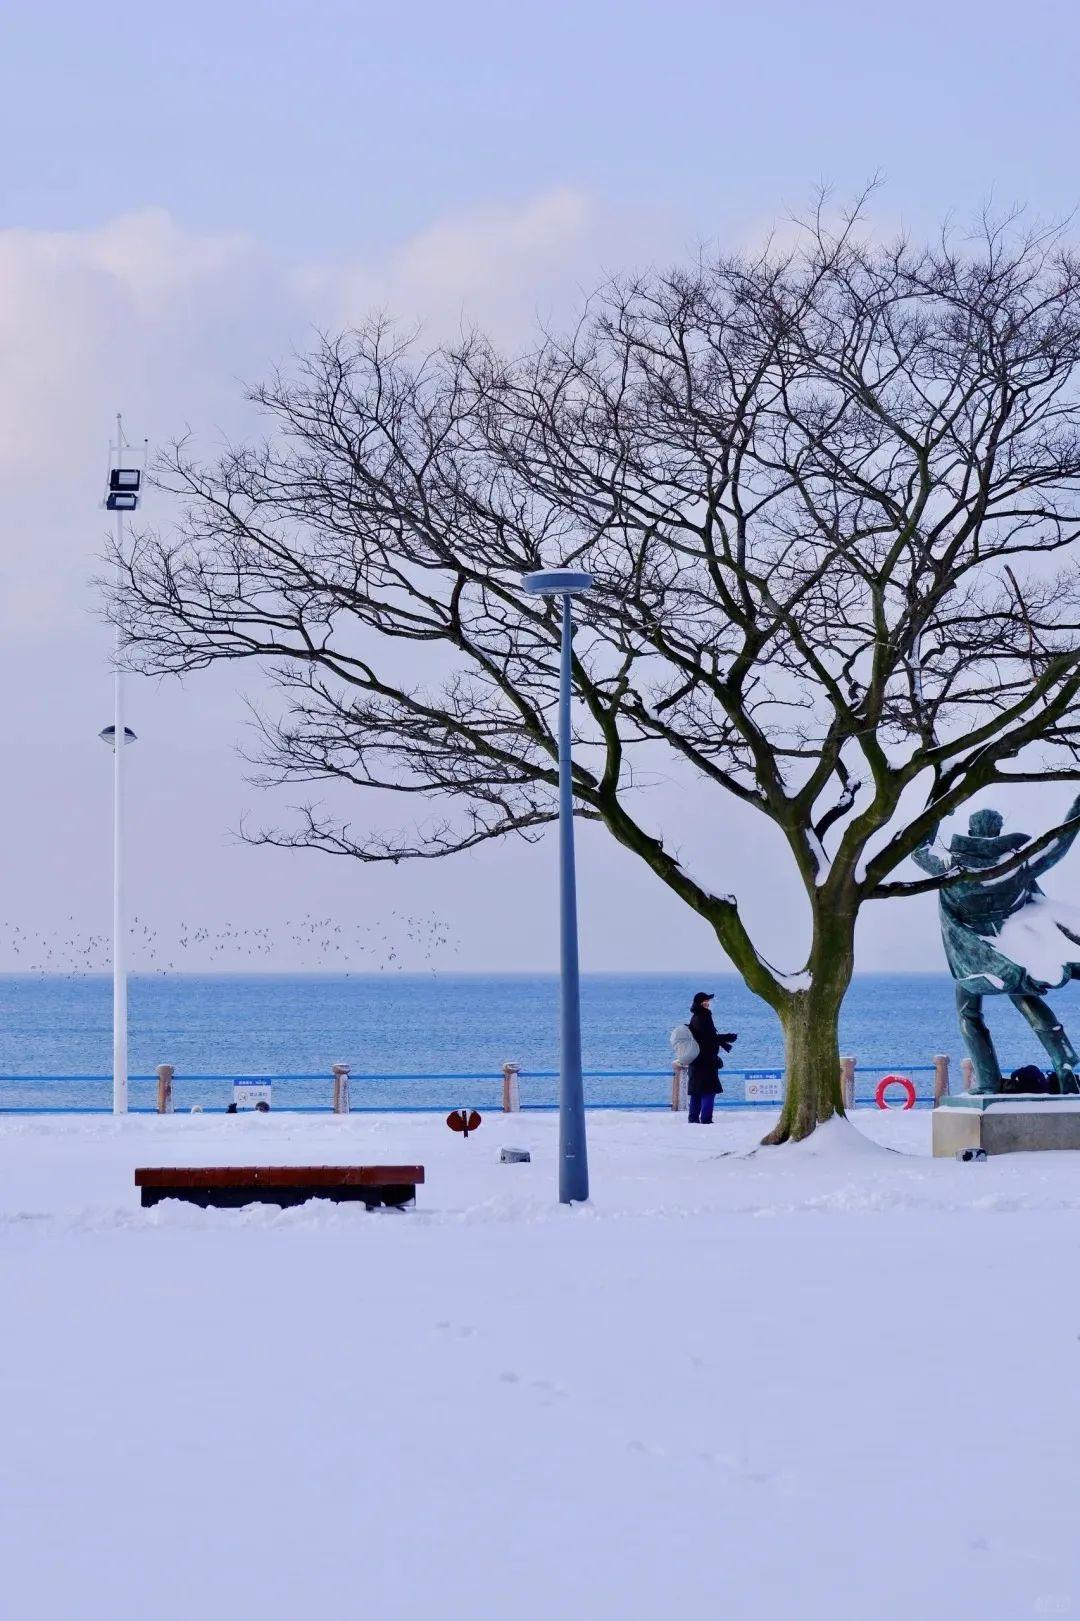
x=683 y=1045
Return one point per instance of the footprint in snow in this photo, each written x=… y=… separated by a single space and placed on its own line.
x=645 y=1450
x=550 y=1387
x=545 y=1387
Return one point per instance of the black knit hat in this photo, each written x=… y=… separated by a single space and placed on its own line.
x=699 y=998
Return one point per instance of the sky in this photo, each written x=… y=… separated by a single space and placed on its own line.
x=189 y=194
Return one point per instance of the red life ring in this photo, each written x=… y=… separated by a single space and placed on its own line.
x=894 y=1080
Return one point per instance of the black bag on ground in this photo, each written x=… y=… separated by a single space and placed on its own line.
x=1029 y=1078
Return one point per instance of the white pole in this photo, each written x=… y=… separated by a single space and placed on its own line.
x=120 y=1057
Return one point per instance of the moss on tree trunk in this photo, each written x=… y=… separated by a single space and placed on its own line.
x=810 y=1021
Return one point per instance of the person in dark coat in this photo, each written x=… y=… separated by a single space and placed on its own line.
x=704 y=1074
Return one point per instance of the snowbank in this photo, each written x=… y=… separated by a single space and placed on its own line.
x=735 y=1384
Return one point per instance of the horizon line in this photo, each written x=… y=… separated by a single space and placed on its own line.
x=432 y=973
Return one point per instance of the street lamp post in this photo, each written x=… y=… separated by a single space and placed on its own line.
x=122 y=496
x=573 y=1149
x=120 y=1057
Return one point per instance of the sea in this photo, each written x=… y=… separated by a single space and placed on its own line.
x=431 y=1040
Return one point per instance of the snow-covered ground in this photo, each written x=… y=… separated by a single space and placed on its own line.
x=828 y=1381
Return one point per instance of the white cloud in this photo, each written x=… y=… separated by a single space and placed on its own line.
x=137 y=314
x=87 y=316
x=500 y=269
x=168 y=324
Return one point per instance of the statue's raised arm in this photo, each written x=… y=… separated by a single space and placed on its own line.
x=1058 y=847
x=927 y=857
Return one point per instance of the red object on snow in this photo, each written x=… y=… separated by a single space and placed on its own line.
x=894 y=1080
x=459 y=1120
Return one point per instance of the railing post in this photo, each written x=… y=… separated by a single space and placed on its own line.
x=941 y=1076
x=967 y=1072
x=511 y=1091
x=164 y=1088
x=341 y=1088
x=847 y=1081
x=679 y=1081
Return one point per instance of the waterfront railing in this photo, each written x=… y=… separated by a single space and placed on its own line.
x=344 y=1090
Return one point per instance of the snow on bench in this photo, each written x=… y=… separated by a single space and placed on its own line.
x=235 y=1185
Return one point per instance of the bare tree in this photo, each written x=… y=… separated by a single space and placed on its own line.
x=829 y=499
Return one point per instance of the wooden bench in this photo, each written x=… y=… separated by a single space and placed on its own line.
x=234 y=1185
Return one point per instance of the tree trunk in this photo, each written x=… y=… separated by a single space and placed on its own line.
x=810 y=1023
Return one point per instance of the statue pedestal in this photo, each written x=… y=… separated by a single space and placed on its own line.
x=1005 y=1123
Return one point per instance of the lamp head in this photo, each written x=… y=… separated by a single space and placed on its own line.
x=556 y=582
x=123 y=492
x=108 y=735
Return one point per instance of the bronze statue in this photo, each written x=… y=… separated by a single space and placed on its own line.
x=1004 y=937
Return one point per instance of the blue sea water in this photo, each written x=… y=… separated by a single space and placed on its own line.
x=392 y=1025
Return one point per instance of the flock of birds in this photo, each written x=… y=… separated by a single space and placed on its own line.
x=301 y=945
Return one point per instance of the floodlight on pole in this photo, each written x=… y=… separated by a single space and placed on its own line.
x=122 y=494
x=573 y=1149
